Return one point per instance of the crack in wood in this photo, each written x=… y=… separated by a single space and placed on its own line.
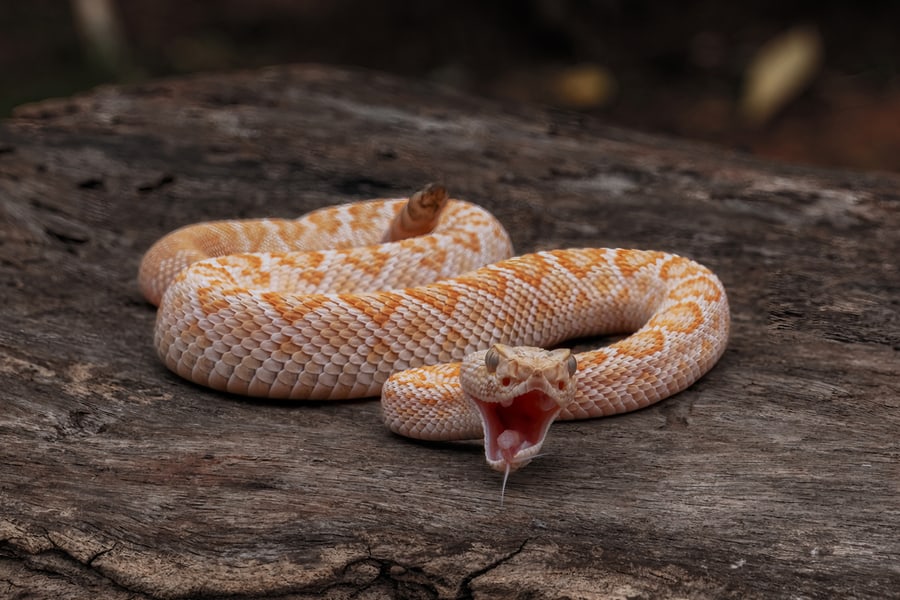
x=465 y=587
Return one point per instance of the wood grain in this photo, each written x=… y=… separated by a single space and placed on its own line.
x=776 y=475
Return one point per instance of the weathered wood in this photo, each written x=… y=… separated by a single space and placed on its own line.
x=774 y=476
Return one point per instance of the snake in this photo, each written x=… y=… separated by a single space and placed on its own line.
x=422 y=301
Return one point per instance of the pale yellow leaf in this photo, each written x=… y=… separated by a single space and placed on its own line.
x=781 y=69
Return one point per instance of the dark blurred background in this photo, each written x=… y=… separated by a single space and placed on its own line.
x=802 y=81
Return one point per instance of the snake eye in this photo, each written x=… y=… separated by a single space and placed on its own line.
x=491 y=360
x=572 y=365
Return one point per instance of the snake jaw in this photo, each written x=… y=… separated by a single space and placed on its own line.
x=514 y=431
x=518 y=392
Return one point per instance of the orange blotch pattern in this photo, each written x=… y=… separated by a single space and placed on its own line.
x=630 y=262
x=677 y=267
x=642 y=344
x=684 y=318
x=323 y=223
x=293 y=309
x=372 y=263
x=530 y=271
x=251 y=270
x=578 y=264
x=698 y=287
x=443 y=299
x=378 y=307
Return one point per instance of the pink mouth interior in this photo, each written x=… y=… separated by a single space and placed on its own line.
x=511 y=429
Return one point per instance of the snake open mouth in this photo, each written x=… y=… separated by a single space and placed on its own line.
x=514 y=430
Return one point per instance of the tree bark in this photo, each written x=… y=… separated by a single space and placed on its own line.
x=776 y=475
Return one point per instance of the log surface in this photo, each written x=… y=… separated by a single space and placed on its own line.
x=776 y=475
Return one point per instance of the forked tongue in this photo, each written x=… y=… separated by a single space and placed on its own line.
x=508 y=442
x=503 y=489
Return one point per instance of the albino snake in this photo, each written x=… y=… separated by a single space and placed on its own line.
x=321 y=309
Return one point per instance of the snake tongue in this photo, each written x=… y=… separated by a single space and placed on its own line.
x=514 y=430
x=510 y=442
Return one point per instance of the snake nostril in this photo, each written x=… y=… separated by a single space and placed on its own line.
x=505 y=381
x=561 y=385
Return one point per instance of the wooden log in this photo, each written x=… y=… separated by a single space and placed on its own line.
x=776 y=475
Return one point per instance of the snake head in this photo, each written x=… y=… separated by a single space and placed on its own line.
x=518 y=391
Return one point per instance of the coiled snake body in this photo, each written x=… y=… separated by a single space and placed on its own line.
x=321 y=309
